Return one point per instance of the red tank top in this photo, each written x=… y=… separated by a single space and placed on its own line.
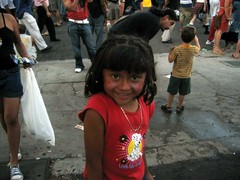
x=81 y=13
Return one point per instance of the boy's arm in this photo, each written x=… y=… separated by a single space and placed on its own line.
x=196 y=41
x=170 y=55
x=94 y=144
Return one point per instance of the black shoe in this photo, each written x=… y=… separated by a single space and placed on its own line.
x=169 y=42
x=46 y=49
x=166 y=109
x=206 y=32
x=55 y=40
x=180 y=109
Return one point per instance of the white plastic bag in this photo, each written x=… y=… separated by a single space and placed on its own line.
x=35 y=116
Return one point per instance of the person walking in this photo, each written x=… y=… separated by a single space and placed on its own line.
x=113 y=14
x=236 y=24
x=44 y=18
x=182 y=58
x=24 y=15
x=154 y=20
x=214 y=8
x=97 y=18
x=225 y=11
x=121 y=84
x=54 y=9
x=185 y=12
x=11 y=88
x=78 y=26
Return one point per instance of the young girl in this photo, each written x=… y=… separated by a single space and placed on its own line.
x=121 y=84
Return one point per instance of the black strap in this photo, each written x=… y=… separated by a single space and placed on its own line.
x=3 y=20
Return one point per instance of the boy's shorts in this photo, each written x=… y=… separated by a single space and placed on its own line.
x=181 y=85
x=10 y=83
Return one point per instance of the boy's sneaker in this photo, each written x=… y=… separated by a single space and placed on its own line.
x=166 y=109
x=180 y=109
x=16 y=173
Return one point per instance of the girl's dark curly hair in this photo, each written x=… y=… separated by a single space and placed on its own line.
x=123 y=53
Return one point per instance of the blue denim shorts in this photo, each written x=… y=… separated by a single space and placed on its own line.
x=10 y=83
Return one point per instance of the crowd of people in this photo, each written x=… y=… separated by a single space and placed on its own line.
x=121 y=82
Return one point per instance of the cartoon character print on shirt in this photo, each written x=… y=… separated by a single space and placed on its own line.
x=130 y=150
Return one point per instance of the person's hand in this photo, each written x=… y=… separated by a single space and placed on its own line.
x=48 y=14
x=27 y=63
x=172 y=48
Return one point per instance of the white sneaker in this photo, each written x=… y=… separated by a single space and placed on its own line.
x=209 y=42
x=78 y=70
x=16 y=173
x=19 y=154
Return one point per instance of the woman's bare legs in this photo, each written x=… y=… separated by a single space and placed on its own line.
x=9 y=110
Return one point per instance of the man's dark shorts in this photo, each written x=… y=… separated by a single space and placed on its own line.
x=181 y=85
x=10 y=83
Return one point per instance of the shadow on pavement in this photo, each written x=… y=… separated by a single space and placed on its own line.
x=222 y=168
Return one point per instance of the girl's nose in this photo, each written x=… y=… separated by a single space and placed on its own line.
x=124 y=84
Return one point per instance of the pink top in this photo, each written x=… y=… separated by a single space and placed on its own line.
x=39 y=2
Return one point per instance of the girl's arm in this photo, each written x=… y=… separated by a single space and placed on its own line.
x=94 y=144
x=147 y=173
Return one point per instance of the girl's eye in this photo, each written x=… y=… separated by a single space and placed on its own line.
x=115 y=76
x=135 y=77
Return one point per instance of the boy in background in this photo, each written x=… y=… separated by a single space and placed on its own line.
x=182 y=58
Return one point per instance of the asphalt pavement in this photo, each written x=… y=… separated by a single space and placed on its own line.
x=201 y=143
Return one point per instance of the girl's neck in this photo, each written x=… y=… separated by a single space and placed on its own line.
x=132 y=106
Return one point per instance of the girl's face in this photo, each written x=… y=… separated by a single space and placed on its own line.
x=123 y=87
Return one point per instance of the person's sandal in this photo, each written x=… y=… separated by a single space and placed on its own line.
x=235 y=57
x=166 y=109
x=218 y=52
x=180 y=109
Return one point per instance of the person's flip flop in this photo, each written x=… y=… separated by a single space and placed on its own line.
x=234 y=56
x=218 y=52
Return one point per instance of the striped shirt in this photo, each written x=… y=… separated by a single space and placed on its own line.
x=183 y=60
